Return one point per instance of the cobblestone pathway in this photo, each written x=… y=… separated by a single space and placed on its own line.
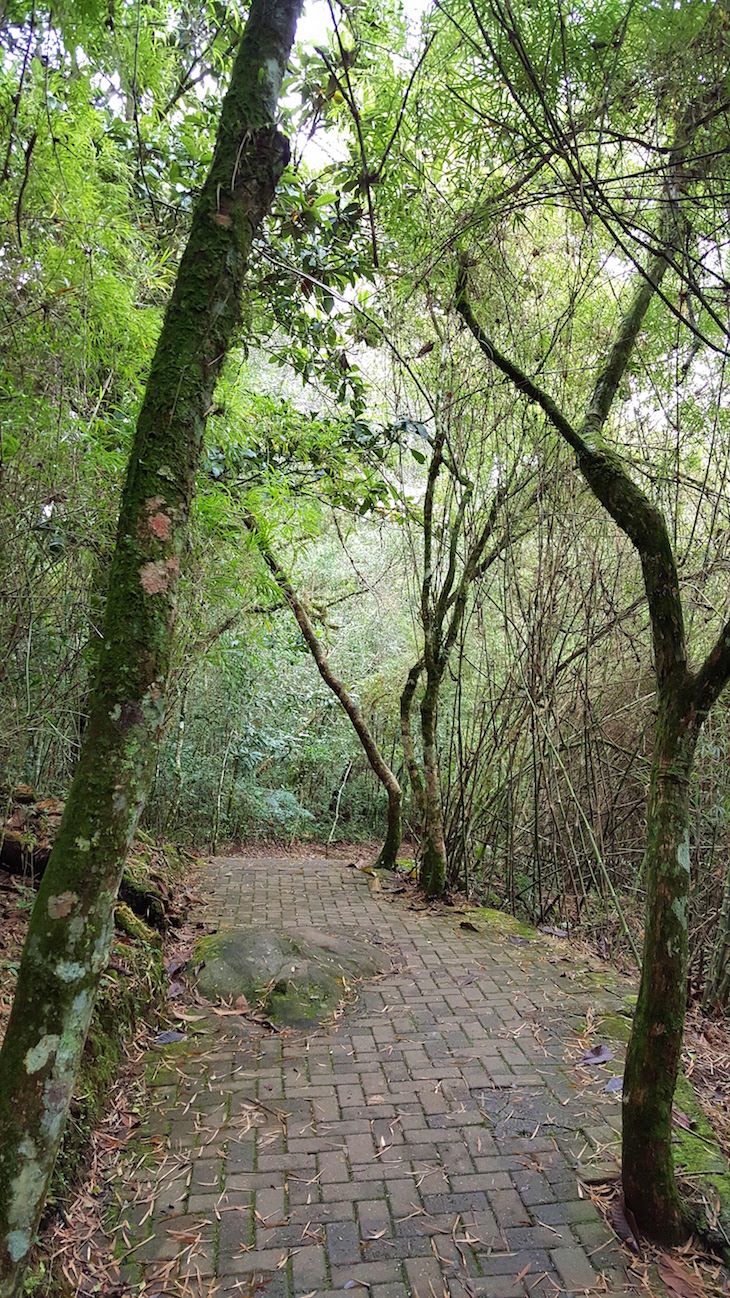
x=426 y=1144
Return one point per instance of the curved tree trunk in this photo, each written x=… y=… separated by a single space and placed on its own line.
x=394 y=833
x=71 y=927
x=684 y=701
x=653 y=1057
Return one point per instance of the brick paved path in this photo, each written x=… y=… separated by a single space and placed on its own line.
x=426 y=1144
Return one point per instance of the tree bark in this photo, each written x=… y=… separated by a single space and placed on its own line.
x=71 y=927
x=418 y=797
x=652 y=1062
x=433 y=861
x=394 y=833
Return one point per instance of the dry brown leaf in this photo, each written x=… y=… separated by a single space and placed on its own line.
x=679 y=1279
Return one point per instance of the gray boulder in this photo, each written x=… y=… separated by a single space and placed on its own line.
x=296 y=980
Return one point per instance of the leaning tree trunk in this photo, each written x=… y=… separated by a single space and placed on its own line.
x=71 y=927
x=394 y=833
x=433 y=861
x=653 y=1057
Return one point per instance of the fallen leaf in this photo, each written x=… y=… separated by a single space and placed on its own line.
x=470 y=928
x=614 y=1084
x=597 y=1055
x=679 y=1279
x=170 y=1035
x=175 y=990
x=624 y=1224
x=242 y=1004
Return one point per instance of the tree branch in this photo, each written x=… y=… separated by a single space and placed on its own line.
x=360 y=726
x=602 y=469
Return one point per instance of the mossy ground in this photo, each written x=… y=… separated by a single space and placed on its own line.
x=502 y=922
x=703 y=1169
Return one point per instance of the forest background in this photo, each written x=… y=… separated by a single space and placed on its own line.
x=361 y=447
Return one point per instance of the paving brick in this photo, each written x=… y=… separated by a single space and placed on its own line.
x=343 y=1243
x=574 y=1268
x=404 y=1155
x=309 y=1268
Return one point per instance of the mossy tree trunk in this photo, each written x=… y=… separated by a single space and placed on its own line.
x=394 y=832
x=409 y=752
x=433 y=845
x=653 y=1060
x=71 y=926
x=684 y=699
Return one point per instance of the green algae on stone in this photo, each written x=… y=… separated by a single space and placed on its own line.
x=297 y=980
x=504 y=923
x=616 y=1027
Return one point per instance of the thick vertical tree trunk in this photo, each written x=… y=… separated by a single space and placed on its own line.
x=652 y=1062
x=433 y=860
x=388 y=854
x=71 y=926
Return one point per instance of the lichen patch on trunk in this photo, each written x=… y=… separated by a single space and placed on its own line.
x=61 y=905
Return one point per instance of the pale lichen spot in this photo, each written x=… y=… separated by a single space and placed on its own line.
x=679 y=910
x=37 y=1057
x=80 y=1003
x=83 y=844
x=76 y=928
x=26 y=1192
x=18 y=1242
x=69 y=971
x=116 y=712
x=62 y=905
x=683 y=852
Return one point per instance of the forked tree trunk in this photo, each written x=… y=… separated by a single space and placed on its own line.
x=394 y=833
x=71 y=926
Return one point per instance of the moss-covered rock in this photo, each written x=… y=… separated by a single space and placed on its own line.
x=296 y=980
x=614 y=1027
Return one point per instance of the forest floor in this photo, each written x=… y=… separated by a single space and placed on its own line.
x=442 y=1137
